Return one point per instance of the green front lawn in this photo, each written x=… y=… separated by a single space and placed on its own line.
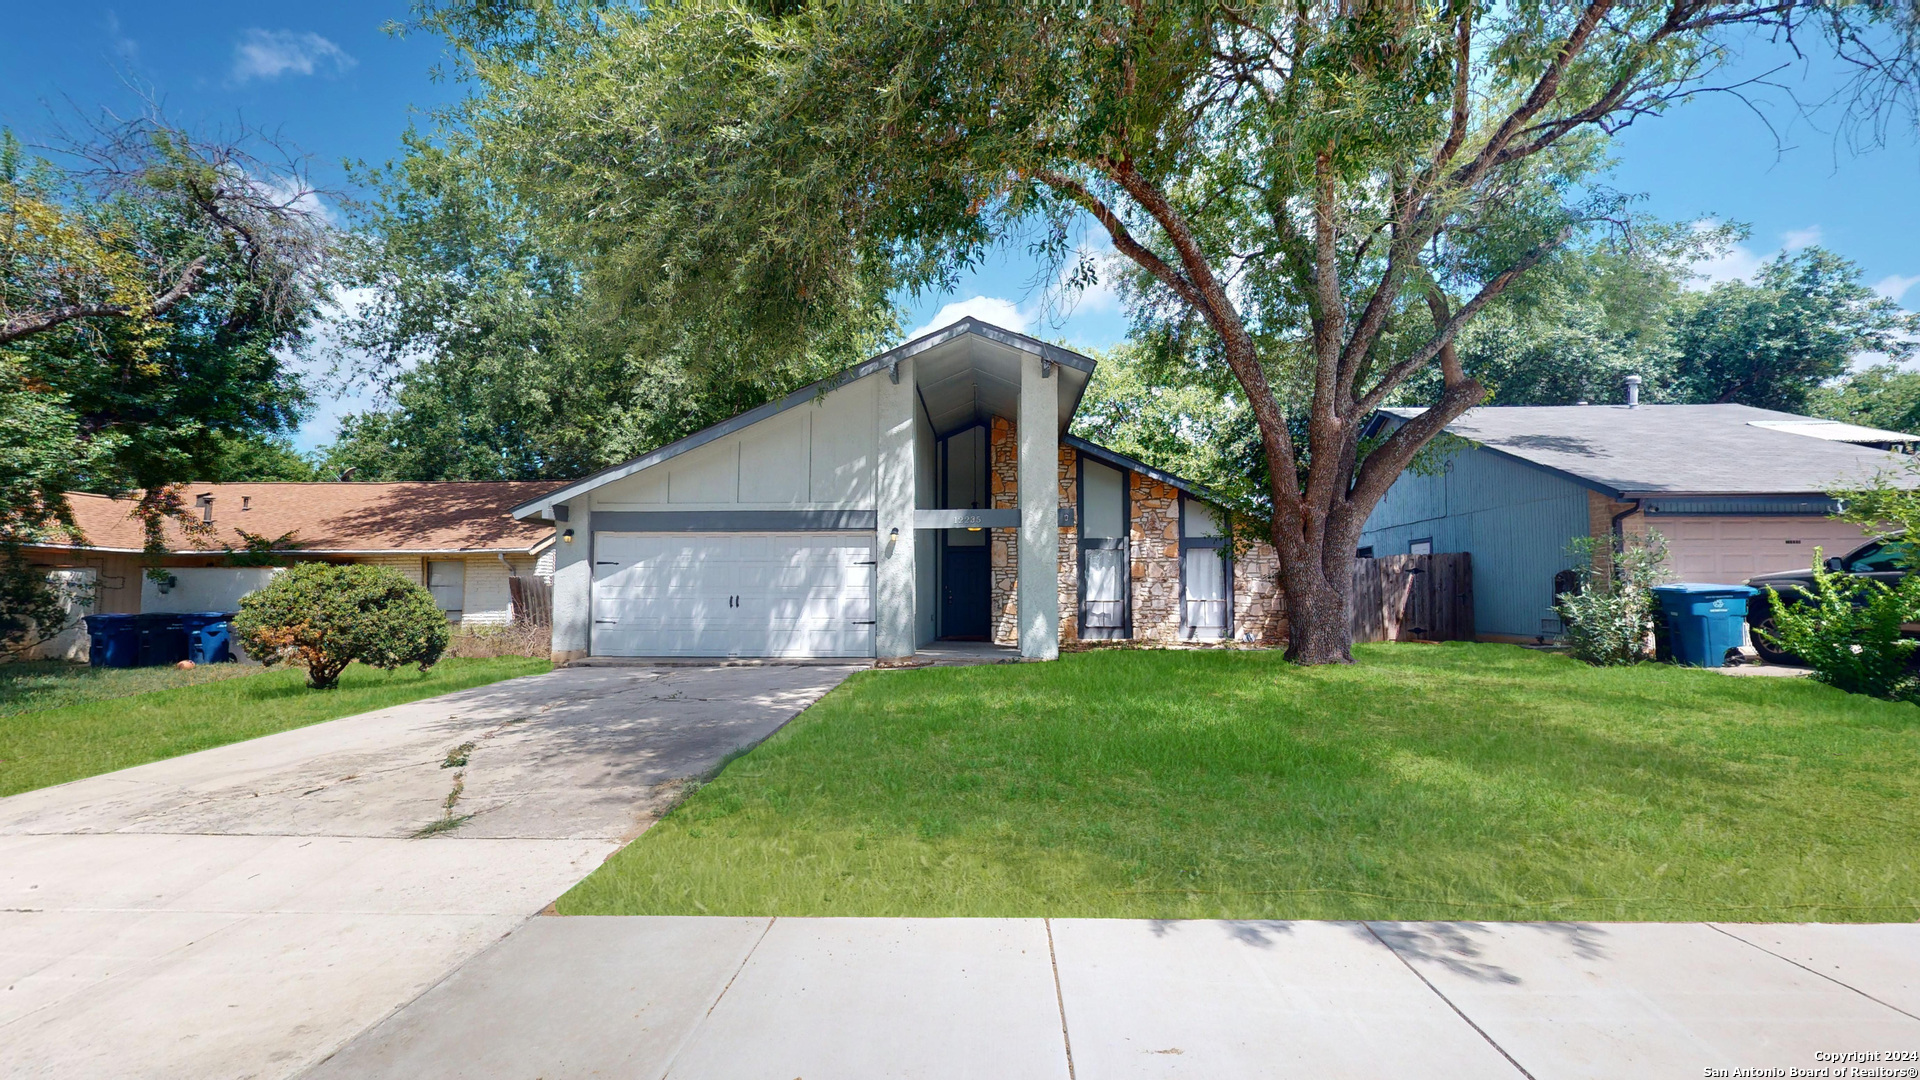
x=100 y=733
x=48 y=684
x=1425 y=782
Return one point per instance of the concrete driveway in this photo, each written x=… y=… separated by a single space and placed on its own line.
x=245 y=911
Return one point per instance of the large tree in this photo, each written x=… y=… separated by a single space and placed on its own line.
x=150 y=285
x=1774 y=341
x=500 y=359
x=1310 y=194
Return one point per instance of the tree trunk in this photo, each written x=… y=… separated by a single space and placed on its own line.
x=1318 y=616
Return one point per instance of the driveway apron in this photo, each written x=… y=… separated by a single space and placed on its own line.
x=244 y=911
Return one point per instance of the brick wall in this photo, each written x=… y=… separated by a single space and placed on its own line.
x=1600 y=511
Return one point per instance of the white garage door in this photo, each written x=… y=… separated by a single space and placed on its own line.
x=733 y=594
x=1729 y=550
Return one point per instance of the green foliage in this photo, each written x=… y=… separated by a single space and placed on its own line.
x=1610 y=618
x=1595 y=315
x=1771 y=343
x=525 y=367
x=324 y=616
x=1887 y=505
x=1882 y=396
x=259 y=550
x=1148 y=406
x=256 y=458
x=1847 y=629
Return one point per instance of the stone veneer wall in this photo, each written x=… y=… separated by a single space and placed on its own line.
x=1153 y=535
x=1003 y=479
x=1154 y=531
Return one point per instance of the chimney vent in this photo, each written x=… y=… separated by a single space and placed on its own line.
x=205 y=503
x=1633 y=391
x=246 y=502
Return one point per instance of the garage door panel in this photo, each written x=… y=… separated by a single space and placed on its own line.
x=1731 y=549
x=798 y=594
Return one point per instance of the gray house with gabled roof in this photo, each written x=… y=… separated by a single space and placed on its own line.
x=929 y=492
x=1735 y=491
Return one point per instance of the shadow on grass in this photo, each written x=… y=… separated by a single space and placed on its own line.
x=1454 y=782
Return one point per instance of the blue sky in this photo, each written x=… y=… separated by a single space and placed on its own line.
x=328 y=79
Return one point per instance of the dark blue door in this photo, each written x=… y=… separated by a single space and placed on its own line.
x=965 y=593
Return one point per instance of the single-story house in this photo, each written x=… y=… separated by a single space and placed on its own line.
x=458 y=539
x=930 y=492
x=1734 y=490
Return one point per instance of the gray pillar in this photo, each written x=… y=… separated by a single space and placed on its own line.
x=893 y=584
x=1039 y=493
x=573 y=585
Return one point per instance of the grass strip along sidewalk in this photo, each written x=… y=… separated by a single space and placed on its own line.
x=1425 y=782
x=53 y=746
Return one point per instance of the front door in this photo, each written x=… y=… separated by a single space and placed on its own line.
x=965 y=593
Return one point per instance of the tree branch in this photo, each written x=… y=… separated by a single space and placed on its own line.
x=36 y=322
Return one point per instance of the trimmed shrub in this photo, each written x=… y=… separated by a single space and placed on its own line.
x=323 y=617
x=1848 y=631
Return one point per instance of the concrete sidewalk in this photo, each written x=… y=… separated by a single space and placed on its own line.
x=244 y=911
x=1008 y=999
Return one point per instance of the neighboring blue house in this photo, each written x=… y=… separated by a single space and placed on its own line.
x=1736 y=491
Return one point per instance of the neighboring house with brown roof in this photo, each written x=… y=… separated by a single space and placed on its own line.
x=458 y=539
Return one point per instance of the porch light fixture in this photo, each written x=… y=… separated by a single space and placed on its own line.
x=567 y=537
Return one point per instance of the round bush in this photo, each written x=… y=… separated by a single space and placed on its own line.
x=324 y=617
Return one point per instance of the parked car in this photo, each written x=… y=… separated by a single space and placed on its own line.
x=1881 y=560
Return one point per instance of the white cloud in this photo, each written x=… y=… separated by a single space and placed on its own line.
x=269 y=54
x=1737 y=263
x=1795 y=239
x=1895 y=286
x=290 y=192
x=123 y=46
x=988 y=309
x=343 y=379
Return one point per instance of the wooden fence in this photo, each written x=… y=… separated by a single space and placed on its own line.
x=532 y=600
x=1413 y=598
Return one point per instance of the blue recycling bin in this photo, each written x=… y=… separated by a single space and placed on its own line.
x=1704 y=622
x=163 y=638
x=112 y=641
x=209 y=636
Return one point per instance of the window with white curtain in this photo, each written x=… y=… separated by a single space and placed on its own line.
x=1205 y=589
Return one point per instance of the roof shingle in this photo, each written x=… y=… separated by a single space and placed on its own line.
x=1677 y=449
x=453 y=516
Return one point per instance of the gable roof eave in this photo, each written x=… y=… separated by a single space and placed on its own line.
x=1123 y=461
x=542 y=507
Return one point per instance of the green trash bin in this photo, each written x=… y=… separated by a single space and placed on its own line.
x=1704 y=622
